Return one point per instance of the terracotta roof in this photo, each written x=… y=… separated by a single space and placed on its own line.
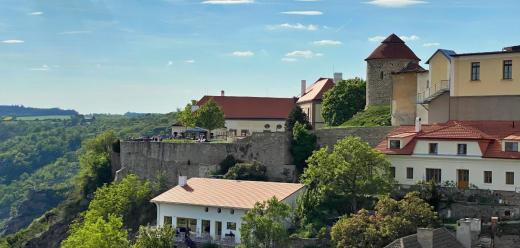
x=245 y=107
x=393 y=48
x=316 y=90
x=513 y=137
x=489 y=135
x=226 y=193
x=413 y=66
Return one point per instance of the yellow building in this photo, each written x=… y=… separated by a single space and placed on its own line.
x=471 y=86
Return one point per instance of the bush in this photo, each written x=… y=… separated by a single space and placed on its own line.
x=303 y=143
x=297 y=115
x=227 y=163
x=373 y=116
x=247 y=171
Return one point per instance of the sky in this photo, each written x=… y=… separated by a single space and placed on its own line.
x=114 y=56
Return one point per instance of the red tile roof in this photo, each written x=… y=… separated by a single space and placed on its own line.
x=245 y=107
x=393 y=48
x=315 y=91
x=489 y=134
x=227 y=193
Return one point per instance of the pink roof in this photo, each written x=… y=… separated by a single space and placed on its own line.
x=489 y=135
x=513 y=137
x=316 y=90
x=402 y=135
x=246 y=107
x=226 y=193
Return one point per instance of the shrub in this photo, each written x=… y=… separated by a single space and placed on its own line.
x=373 y=116
x=247 y=171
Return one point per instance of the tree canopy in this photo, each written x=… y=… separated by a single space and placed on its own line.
x=99 y=233
x=264 y=225
x=247 y=171
x=187 y=117
x=303 y=143
x=341 y=180
x=297 y=115
x=392 y=219
x=343 y=101
x=155 y=237
x=210 y=116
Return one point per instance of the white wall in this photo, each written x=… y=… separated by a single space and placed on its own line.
x=255 y=125
x=447 y=148
x=198 y=212
x=450 y=165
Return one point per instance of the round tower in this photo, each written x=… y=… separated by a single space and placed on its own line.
x=391 y=56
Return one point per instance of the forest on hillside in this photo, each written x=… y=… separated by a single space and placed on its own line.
x=39 y=159
x=19 y=110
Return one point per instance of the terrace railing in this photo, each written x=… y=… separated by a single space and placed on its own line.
x=433 y=92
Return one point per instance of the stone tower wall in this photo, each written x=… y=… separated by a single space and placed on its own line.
x=379 y=91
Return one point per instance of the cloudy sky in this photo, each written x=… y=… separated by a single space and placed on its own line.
x=113 y=56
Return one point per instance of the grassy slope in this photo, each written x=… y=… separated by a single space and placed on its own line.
x=372 y=117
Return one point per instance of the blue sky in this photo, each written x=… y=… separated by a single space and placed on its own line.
x=113 y=56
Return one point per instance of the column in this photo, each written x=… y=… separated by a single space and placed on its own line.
x=212 y=229
x=199 y=228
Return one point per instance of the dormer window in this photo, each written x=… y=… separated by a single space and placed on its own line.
x=433 y=148
x=510 y=146
x=462 y=149
x=395 y=144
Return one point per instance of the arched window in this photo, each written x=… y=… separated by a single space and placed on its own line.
x=267 y=126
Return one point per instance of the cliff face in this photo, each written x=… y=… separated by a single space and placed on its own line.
x=149 y=160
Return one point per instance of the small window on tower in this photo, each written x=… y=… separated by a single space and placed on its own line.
x=382 y=75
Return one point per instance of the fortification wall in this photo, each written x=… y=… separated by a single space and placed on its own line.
x=149 y=160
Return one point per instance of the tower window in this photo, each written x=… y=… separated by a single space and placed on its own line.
x=382 y=75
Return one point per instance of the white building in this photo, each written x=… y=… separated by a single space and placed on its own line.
x=483 y=154
x=212 y=209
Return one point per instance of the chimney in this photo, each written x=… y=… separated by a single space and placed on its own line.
x=425 y=237
x=303 y=87
x=418 y=125
x=468 y=230
x=338 y=77
x=183 y=181
x=222 y=93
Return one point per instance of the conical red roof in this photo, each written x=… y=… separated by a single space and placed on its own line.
x=393 y=48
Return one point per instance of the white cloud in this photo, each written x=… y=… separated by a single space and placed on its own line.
x=306 y=54
x=170 y=63
x=227 y=1
x=297 y=26
x=395 y=3
x=305 y=13
x=376 y=38
x=189 y=61
x=36 y=13
x=13 y=41
x=432 y=44
x=327 y=43
x=40 y=68
x=75 y=32
x=242 y=54
x=412 y=37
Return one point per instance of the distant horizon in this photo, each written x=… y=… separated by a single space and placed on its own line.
x=155 y=56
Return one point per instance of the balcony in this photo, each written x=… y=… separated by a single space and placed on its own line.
x=433 y=92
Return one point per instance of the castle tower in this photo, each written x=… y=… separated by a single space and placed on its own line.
x=391 y=56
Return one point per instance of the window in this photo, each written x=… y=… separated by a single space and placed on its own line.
x=462 y=149
x=206 y=209
x=475 y=71
x=168 y=220
x=233 y=132
x=382 y=75
x=511 y=146
x=279 y=126
x=232 y=211
x=433 y=175
x=244 y=132
x=488 y=177
x=392 y=171
x=267 y=126
x=231 y=226
x=510 y=177
x=219 y=210
x=409 y=173
x=433 y=148
x=508 y=69
x=395 y=144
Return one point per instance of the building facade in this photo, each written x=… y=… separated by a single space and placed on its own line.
x=211 y=210
x=481 y=154
x=311 y=99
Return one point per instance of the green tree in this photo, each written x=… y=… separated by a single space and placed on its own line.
x=155 y=237
x=297 y=115
x=210 y=116
x=264 y=225
x=392 y=219
x=341 y=180
x=247 y=171
x=303 y=143
x=343 y=101
x=187 y=117
x=98 y=233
